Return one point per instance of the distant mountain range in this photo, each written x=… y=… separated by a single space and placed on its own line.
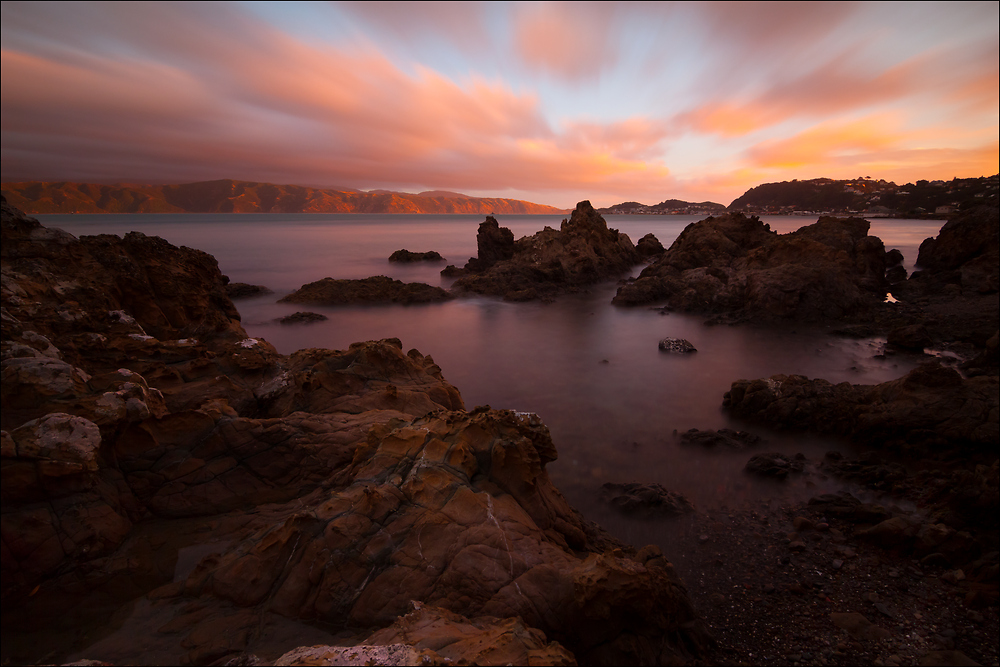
x=229 y=196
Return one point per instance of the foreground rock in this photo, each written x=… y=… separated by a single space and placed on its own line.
x=377 y=289
x=735 y=266
x=335 y=485
x=582 y=251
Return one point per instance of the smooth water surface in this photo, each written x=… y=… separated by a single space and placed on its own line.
x=591 y=370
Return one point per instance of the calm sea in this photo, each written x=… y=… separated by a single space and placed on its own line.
x=591 y=370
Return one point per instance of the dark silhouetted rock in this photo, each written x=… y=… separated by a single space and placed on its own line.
x=302 y=317
x=645 y=499
x=931 y=406
x=677 y=346
x=407 y=256
x=377 y=289
x=582 y=251
x=649 y=246
x=736 y=266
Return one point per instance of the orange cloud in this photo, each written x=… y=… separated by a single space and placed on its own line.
x=820 y=144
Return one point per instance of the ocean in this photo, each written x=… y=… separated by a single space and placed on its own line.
x=590 y=370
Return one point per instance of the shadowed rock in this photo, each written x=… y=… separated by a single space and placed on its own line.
x=645 y=499
x=736 y=266
x=582 y=251
x=302 y=317
x=377 y=289
x=406 y=256
x=931 y=406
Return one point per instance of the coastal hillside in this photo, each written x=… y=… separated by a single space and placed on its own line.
x=229 y=196
x=667 y=207
x=870 y=196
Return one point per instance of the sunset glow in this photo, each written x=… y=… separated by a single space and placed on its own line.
x=550 y=102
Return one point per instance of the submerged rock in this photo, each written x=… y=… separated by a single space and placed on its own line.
x=582 y=251
x=377 y=289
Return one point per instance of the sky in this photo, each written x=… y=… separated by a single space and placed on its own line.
x=549 y=102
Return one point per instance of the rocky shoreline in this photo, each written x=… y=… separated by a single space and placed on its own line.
x=248 y=502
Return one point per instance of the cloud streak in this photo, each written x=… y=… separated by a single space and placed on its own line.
x=153 y=93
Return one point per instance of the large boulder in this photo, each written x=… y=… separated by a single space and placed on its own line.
x=582 y=251
x=735 y=266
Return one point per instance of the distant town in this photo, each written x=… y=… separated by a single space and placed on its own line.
x=862 y=196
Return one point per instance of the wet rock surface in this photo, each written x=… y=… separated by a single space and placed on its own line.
x=377 y=289
x=735 y=267
x=582 y=251
x=160 y=465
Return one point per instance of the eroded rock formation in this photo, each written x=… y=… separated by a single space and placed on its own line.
x=582 y=251
x=735 y=266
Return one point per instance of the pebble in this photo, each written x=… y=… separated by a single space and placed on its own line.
x=837 y=563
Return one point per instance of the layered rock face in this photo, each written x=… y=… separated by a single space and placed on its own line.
x=582 y=251
x=736 y=266
x=342 y=485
